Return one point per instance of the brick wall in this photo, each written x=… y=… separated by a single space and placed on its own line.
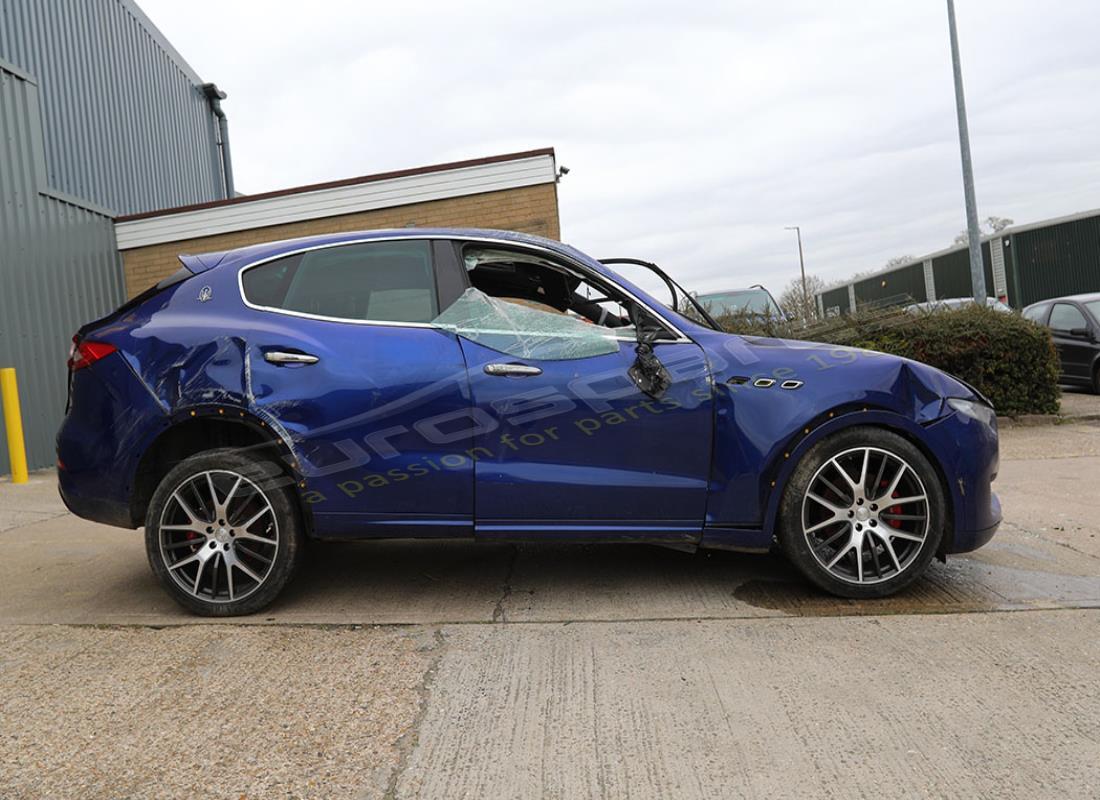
x=530 y=209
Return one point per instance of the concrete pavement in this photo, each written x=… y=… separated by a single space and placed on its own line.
x=986 y=705
x=449 y=669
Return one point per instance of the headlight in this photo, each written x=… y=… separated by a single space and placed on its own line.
x=979 y=411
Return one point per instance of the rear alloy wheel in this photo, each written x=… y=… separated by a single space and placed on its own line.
x=863 y=514
x=222 y=535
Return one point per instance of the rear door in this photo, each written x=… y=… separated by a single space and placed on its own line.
x=376 y=399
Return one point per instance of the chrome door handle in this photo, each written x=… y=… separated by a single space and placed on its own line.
x=516 y=370
x=279 y=357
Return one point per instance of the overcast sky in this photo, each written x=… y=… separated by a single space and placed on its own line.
x=694 y=132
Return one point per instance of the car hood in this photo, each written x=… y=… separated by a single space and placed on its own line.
x=830 y=376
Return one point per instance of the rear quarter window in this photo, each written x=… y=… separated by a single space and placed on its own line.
x=266 y=284
x=372 y=281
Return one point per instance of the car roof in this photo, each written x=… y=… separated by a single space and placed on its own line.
x=1087 y=297
x=201 y=262
x=244 y=256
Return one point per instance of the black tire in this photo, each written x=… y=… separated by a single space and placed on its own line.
x=1095 y=387
x=269 y=548
x=852 y=576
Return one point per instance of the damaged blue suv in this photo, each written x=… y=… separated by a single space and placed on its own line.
x=499 y=387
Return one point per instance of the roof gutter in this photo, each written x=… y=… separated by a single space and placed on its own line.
x=214 y=96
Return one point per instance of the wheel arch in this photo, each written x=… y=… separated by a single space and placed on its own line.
x=835 y=421
x=200 y=429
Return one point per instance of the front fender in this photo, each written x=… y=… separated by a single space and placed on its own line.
x=762 y=429
x=836 y=421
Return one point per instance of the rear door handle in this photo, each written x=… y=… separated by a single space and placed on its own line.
x=514 y=370
x=279 y=357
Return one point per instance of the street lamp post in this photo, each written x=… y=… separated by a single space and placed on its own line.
x=977 y=272
x=802 y=265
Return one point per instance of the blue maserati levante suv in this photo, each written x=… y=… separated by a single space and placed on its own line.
x=499 y=387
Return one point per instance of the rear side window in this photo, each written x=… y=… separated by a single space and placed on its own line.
x=375 y=281
x=1036 y=313
x=1065 y=317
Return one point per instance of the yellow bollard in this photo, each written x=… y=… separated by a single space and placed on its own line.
x=13 y=421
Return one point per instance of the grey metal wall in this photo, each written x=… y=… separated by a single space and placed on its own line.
x=59 y=268
x=126 y=125
x=902 y=285
x=1056 y=260
x=1052 y=259
x=836 y=298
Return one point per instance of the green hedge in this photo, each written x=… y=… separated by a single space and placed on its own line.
x=1009 y=359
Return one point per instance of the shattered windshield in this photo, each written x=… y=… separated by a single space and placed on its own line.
x=514 y=327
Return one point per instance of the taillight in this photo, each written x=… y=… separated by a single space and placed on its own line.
x=85 y=353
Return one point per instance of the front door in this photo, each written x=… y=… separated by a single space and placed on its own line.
x=1070 y=330
x=565 y=442
x=573 y=447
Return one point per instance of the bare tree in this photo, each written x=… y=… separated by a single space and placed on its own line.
x=990 y=225
x=897 y=261
x=799 y=305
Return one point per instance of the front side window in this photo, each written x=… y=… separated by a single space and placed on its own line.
x=1094 y=308
x=530 y=306
x=524 y=329
x=371 y=281
x=1065 y=317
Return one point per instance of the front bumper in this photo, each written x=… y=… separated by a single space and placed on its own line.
x=969 y=454
x=966 y=541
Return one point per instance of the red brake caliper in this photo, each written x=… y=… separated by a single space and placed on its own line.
x=893 y=523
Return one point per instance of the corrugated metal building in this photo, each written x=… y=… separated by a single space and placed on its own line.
x=99 y=116
x=1023 y=265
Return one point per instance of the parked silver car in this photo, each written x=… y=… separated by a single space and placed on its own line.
x=953 y=303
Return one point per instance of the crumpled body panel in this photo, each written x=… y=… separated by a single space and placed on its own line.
x=758 y=425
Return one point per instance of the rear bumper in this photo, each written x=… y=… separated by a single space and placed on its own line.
x=86 y=504
x=99 y=441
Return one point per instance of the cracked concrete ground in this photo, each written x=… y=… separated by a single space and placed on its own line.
x=447 y=669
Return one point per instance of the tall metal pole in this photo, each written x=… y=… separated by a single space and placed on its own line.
x=802 y=265
x=977 y=272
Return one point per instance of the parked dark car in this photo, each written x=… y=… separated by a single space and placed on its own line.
x=1074 y=324
x=499 y=387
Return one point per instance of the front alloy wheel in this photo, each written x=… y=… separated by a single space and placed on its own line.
x=221 y=534
x=863 y=513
